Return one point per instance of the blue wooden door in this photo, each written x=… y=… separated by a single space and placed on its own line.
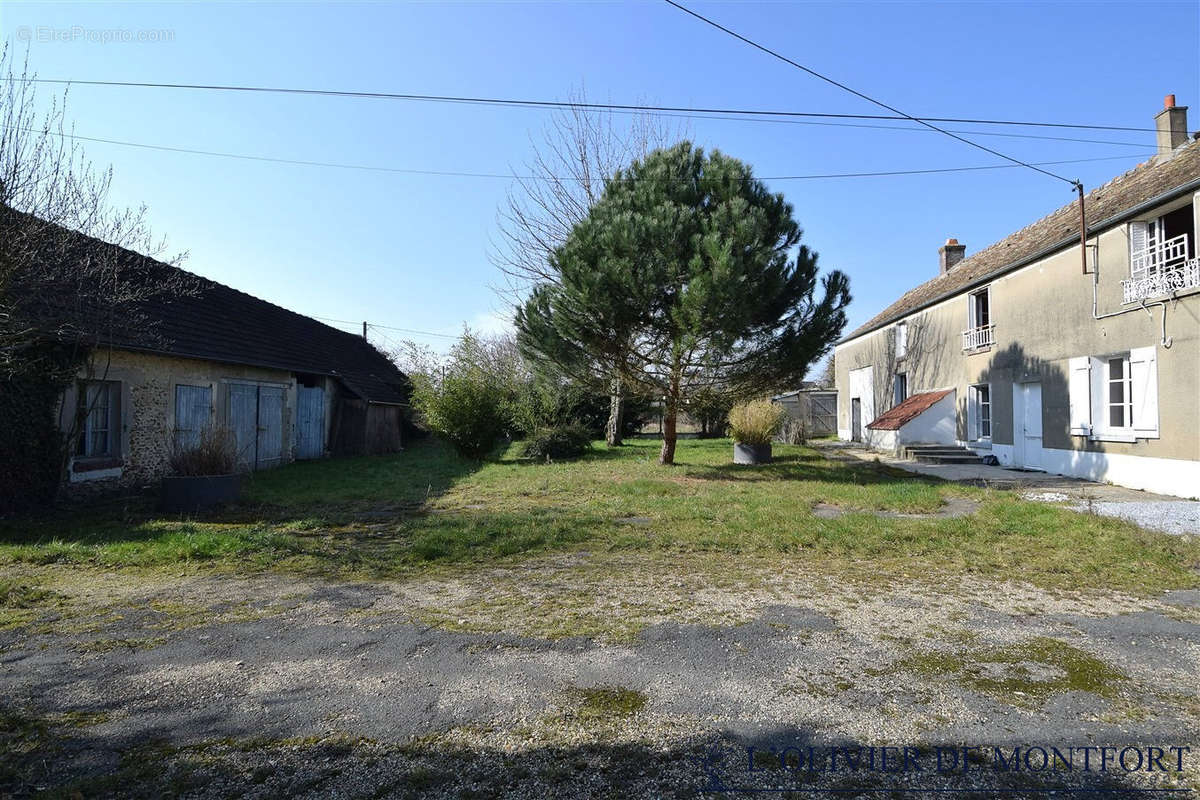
x=310 y=422
x=243 y=420
x=270 y=427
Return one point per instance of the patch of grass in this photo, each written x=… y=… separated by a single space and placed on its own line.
x=425 y=510
x=607 y=703
x=1027 y=671
x=14 y=594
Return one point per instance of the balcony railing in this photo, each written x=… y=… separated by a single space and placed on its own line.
x=983 y=336
x=1162 y=281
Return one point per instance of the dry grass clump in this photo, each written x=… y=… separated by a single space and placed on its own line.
x=756 y=422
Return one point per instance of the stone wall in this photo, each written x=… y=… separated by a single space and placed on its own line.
x=146 y=411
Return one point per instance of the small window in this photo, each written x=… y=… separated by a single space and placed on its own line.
x=99 y=419
x=900 y=389
x=981 y=398
x=193 y=413
x=902 y=340
x=979 y=314
x=1120 y=394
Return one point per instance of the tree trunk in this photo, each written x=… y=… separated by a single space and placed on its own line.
x=670 y=412
x=616 y=414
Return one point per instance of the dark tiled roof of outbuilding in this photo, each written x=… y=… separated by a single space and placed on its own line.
x=218 y=323
x=1060 y=229
x=208 y=320
x=898 y=416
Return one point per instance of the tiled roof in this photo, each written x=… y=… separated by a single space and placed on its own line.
x=1060 y=229
x=897 y=417
x=214 y=322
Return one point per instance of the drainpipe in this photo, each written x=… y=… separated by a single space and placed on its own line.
x=1165 y=341
x=1082 y=228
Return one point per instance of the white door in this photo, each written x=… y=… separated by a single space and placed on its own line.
x=1027 y=425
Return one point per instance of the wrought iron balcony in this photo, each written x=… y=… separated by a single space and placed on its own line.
x=1162 y=281
x=1160 y=269
x=975 y=338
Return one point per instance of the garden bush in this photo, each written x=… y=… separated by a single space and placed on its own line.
x=558 y=442
x=212 y=452
x=756 y=422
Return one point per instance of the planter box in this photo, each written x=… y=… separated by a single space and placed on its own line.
x=192 y=493
x=751 y=453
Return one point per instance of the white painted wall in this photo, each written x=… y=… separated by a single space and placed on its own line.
x=862 y=386
x=936 y=425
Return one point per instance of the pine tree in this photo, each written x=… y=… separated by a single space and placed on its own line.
x=680 y=275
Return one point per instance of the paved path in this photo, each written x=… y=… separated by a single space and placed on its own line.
x=1152 y=511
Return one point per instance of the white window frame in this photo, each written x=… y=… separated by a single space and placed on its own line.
x=975 y=416
x=1125 y=404
x=896 y=399
x=973 y=322
x=88 y=421
x=1090 y=385
x=901 y=339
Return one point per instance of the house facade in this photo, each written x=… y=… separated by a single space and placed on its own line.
x=284 y=386
x=1084 y=364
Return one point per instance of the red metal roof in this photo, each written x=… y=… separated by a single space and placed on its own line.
x=897 y=416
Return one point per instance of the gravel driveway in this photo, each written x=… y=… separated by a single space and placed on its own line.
x=214 y=687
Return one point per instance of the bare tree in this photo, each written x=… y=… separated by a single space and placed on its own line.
x=579 y=149
x=73 y=270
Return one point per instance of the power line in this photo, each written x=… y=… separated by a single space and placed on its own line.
x=866 y=97
x=386 y=327
x=567 y=104
x=513 y=176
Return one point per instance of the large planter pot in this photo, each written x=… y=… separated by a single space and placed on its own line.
x=751 y=453
x=187 y=494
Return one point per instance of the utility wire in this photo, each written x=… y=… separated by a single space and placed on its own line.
x=387 y=327
x=512 y=176
x=521 y=103
x=866 y=97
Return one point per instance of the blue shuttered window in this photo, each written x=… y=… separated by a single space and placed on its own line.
x=193 y=413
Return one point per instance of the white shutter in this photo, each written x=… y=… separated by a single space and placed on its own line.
x=1080 y=392
x=1138 y=239
x=1143 y=371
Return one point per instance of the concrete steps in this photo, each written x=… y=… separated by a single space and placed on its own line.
x=941 y=454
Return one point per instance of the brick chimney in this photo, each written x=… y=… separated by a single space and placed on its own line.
x=1171 y=124
x=950 y=254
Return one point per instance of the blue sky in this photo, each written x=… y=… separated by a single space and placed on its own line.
x=411 y=251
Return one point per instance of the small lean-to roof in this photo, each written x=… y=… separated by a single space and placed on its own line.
x=1154 y=180
x=897 y=417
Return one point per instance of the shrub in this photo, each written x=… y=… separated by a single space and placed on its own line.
x=212 y=452
x=557 y=442
x=756 y=422
x=466 y=409
x=794 y=431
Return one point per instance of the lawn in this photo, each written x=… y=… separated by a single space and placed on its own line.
x=426 y=510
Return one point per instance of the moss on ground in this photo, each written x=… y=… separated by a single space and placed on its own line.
x=1028 y=671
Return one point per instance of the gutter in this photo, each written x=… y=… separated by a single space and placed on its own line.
x=1098 y=227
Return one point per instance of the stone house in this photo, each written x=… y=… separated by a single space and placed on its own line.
x=1084 y=364
x=284 y=386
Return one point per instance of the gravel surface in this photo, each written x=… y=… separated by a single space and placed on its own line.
x=270 y=686
x=1168 y=516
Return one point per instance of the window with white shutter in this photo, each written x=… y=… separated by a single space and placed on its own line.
x=1138 y=249
x=1080 y=393
x=1143 y=386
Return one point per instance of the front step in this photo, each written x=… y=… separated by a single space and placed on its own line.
x=941 y=454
